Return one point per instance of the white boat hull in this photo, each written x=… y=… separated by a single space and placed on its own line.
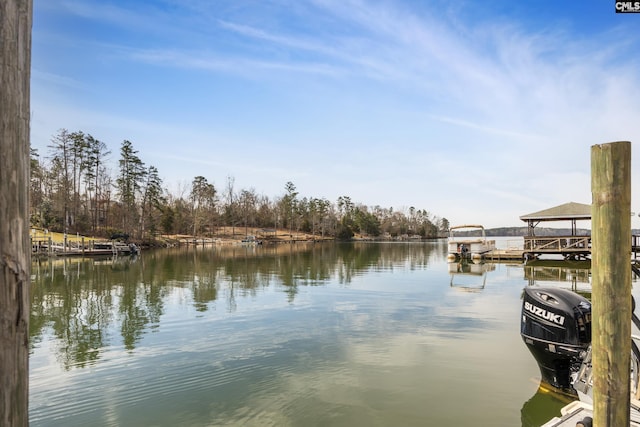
x=470 y=248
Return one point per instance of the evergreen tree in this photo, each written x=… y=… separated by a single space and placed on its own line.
x=289 y=202
x=153 y=202
x=129 y=182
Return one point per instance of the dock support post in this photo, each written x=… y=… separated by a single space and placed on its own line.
x=611 y=273
x=15 y=255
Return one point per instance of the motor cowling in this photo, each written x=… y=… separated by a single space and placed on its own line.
x=556 y=327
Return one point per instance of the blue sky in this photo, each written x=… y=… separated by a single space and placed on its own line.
x=478 y=112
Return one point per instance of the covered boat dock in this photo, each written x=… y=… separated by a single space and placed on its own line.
x=572 y=246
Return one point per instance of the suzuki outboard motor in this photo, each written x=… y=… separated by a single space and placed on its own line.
x=556 y=327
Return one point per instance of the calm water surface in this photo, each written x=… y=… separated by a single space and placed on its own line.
x=361 y=334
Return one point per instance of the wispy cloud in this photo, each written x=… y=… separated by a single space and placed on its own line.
x=226 y=63
x=486 y=129
x=51 y=78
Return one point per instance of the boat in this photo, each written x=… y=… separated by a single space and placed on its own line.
x=556 y=328
x=251 y=240
x=465 y=247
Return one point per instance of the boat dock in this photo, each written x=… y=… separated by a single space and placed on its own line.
x=93 y=248
x=567 y=247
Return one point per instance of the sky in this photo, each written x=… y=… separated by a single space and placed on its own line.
x=476 y=111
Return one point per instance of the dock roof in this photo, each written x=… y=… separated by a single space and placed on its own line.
x=567 y=211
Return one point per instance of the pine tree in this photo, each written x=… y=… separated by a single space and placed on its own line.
x=129 y=183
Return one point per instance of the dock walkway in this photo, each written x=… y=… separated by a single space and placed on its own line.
x=504 y=255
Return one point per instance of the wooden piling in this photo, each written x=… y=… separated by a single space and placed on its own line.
x=15 y=251
x=611 y=282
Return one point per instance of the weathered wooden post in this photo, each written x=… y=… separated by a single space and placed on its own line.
x=611 y=274
x=15 y=73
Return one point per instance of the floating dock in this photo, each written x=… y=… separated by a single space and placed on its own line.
x=504 y=255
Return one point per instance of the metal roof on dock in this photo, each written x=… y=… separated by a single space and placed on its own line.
x=567 y=211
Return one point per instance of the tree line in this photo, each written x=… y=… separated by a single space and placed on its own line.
x=74 y=190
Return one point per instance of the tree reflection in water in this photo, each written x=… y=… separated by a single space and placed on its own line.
x=86 y=303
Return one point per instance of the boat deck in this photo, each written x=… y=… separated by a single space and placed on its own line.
x=572 y=414
x=576 y=411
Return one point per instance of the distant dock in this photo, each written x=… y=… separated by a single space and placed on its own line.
x=93 y=248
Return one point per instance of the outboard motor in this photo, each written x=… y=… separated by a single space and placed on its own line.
x=556 y=327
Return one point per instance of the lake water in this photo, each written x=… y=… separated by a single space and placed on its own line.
x=359 y=334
